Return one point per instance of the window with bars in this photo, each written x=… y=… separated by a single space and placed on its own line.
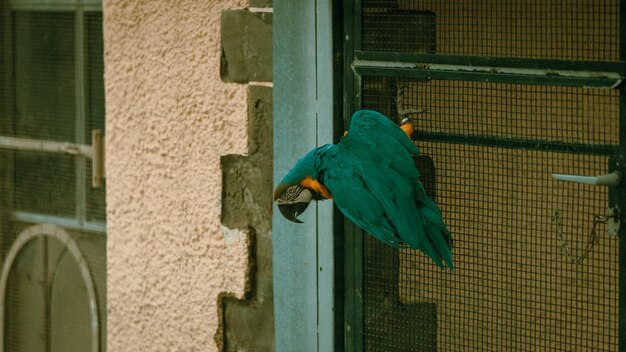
x=511 y=92
x=52 y=203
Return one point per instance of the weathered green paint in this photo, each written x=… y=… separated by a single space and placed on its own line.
x=617 y=199
x=353 y=287
x=362 y=68
x=55 y=5
x=327 y=80
x=294 y=246
x=463 y=60
x=620 y=194
x=353 y=309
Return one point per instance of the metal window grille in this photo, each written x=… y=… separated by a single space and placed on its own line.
x=542 y=29
x=512 y=91
x=52 y=220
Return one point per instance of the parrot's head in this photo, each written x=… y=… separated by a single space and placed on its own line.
x=299 y=187
x=292 y=200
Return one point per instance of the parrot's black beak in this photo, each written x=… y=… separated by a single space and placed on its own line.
x=291 y=211
x=293 y=202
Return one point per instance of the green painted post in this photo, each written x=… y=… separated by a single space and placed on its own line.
x=303 y=254
x=618 y=199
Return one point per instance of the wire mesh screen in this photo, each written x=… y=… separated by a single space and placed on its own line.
x=48 y=300
x=514 y=288
x=42 y=94
x=542 y=29
x=51 y=99
x=572 y=115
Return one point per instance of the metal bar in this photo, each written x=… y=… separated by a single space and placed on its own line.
x=609 y=80
x=349 y=86
x=325 y=248
x=54 y=5
x=353 y=270
x=337 y=237
x=6 y=121
x=352 y=323
x=496 y=62
x=48 y=7
x=47 y=288
x=80 y=56
x=67 y=223
x=350 y=331
x=611 y=179
x=91 y=5
x=491 y=69
x=33 y=145
x=621 y=190
x=97 y=162
x=295 y=133
x=352 y=231
x=620 y=193
x=357 y=23
x=516 y=143
x=55 y=8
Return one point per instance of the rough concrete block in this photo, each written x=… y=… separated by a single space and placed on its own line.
x=246 y=46
x=247 y=180
x=248 y=324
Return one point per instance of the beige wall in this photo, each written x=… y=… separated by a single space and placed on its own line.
x=169 y=119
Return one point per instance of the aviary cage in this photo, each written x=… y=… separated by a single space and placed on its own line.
x=52 y=198
x=503 y=94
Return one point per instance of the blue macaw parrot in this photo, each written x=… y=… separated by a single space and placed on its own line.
x=371 y=176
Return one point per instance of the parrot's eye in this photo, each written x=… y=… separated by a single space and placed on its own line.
x=292 y=193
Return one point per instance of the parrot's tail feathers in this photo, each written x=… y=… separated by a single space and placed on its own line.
x=440 y=242
x=446 y=249
x=427 y=247
x=448 y=238
x=438 y=236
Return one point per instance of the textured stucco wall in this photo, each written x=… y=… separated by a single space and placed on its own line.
x=169 y=119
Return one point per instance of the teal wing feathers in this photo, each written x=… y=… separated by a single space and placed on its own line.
x=342 y=175
x=374 y=182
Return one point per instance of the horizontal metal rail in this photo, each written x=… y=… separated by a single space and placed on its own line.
x=493 y=61
x=98 y=227
x=95 y=152
x=34 y=145
x=595 y=79
x=517 y=143
x=54 y=6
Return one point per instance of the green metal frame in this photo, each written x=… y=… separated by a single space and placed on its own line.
x=353 y=264
x=358 y=63
x=487 y=74
x=621 y=193
x=6 y=159
x=462 y=60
